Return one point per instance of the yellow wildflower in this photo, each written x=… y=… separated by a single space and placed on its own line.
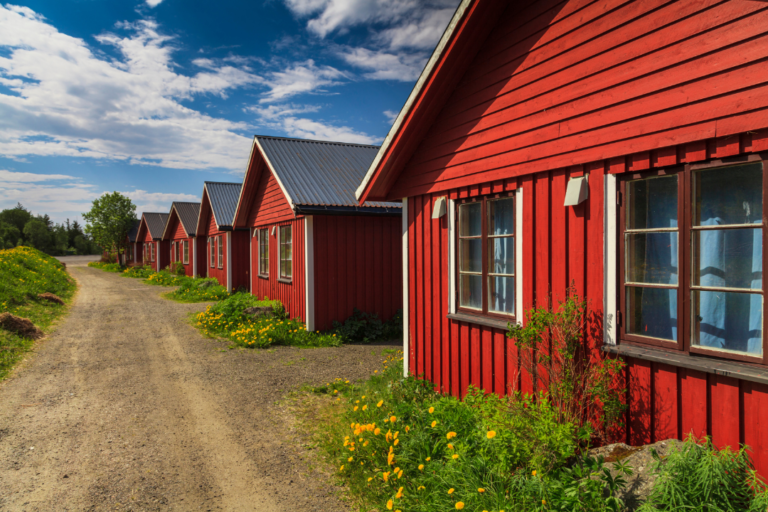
x=491 y=434
x=450 y=491
x=431 y=410
x=389 y=505
x=421 y=467
x=459 y=505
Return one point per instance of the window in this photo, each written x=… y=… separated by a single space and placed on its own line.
x=173 y=249
x=486 y=256
x=220 y=239
x=212 y=250
x=264 y=252
x=186 y=251
x=178 y=244
x=691 y=253
x=286 y=253
x=152 y=248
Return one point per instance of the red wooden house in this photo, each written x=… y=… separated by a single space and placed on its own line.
x=154 y=251
x=180 y=232
x=313 y=246
x=615 y=145
x=132 y=253
x=222 y=252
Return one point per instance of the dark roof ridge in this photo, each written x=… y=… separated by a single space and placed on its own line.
x=316 y=141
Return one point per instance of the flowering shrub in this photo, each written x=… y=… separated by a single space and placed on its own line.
x=165 y=278
x=227 y=319
x=190 y=290
x=399 y=445
x=138 y=272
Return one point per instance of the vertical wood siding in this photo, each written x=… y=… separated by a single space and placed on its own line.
x=357 y=265
x=240 y=255
x=563 y=88
x=563 y=246
x=292 y=294
x=179 y=235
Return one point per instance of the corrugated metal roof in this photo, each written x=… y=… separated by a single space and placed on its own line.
x=156 y=224
x=188 y=213
x=134 y=231
x=319 y=173
x=223 y=197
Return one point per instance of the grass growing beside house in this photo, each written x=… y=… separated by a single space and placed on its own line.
x=24 y=274
x=226 y=319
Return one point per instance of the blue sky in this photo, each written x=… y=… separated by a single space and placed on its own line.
x=153 y=97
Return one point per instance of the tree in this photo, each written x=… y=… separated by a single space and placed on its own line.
x=111 y=218
x=37 y=235
x=17 y=216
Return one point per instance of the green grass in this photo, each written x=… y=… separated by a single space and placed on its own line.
x=109 y=267
x=190 y=290
x=25 y=273
x=226 y=319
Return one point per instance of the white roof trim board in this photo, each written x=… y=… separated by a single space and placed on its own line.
x=449 y=30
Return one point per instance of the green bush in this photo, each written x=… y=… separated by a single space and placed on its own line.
x=138 y=272
x=191 y=290
x=227 y=319
x=177 y=269
x=364 y=327
x=165 y=278
x=399 y=445
x=699 y=478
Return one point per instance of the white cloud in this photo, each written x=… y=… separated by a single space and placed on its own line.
x=157 y=201
x=391 y=115
x=58 y=195
x=301 y=78
x=382 y=65
x=402 y=32
x=284 y=118
x=68 y=101
x=154 y=3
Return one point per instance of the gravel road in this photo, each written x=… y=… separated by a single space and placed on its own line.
x=127 y=407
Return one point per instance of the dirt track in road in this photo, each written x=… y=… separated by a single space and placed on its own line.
x=127 y=407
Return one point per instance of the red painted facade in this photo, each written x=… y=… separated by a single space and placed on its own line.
x=347 y=273
x=208 y=233
x=556 y=90
x=146 y=243
x=176 y=237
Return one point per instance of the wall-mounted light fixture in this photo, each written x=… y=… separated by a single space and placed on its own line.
x=578 y=190
x=439 y=209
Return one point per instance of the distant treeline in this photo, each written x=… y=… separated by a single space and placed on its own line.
x=19 y=227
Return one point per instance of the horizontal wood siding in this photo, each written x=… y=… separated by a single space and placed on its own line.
x=292 y=294
x=578 y=82
x=269 y=205
x=357 y=265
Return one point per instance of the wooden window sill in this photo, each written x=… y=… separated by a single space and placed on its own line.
x=263 y=276
x=284 y=280
x=496 y=323
x=692 y=362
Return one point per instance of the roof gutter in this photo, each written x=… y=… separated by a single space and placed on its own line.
x=348 y=210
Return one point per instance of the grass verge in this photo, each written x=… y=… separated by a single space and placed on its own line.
x=227 y=319
x=24 y=274
x=398 y=445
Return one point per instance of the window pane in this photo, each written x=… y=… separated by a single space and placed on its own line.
x=287 y=269
x=652 y=203
x=470 y=220
x=288 y=252
x=652 y=258
x=728 y=321
x=501 y=215
x=728 y=196
x=501 y=253
x=501 y=294
x=652 y=312
x=471 y=255
x=728 y=258
x=471 y=291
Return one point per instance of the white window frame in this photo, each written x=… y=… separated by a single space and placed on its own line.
x=152 y=250
x=185 y=251
x=279 y=259
x=211 y=252
x=519 y=260
x=610 y=261
x=263 y=236
x=220 y=251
